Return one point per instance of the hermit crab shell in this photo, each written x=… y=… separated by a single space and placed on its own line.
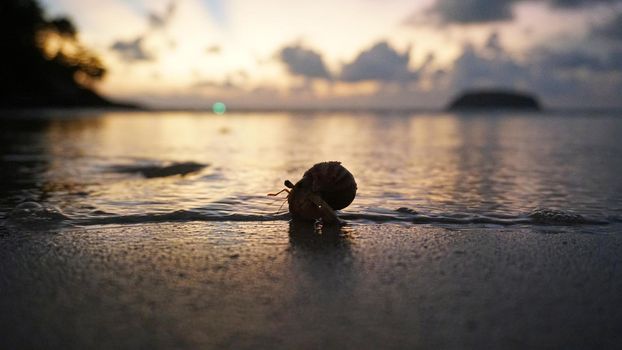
x=324 y=184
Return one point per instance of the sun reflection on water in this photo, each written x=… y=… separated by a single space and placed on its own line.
x=437 y=163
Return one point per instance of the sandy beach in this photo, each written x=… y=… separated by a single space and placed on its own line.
x=365 y=286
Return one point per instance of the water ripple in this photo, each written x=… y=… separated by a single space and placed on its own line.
x=34 y=213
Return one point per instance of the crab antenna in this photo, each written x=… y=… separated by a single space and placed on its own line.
x=277 y=212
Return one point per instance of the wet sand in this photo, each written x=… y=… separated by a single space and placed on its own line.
x=275 y=285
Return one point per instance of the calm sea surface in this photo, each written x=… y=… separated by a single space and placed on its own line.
x=86 y=168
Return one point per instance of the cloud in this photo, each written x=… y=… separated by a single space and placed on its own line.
x=233 y=81
x=213 y=49
x=571 y=60
x=227 y=84
x=611 y=30
x=493 y=44
x=158 y=21
x=567 y=76
x=579 y=3
x=492 y=66
x=304 y=62
x=474 y=68
x=380 y=63
x=131 y=50
x=473 y=11
x=608 y=62
x=486 y=11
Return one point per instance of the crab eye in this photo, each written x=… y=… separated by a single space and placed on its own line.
x=289 y=184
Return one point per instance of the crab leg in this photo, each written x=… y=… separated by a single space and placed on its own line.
x=328 y=214
x=276 y=194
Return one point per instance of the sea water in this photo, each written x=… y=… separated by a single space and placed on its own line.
x=82 y=168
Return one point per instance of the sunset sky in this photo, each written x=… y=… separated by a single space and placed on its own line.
x=351 y=53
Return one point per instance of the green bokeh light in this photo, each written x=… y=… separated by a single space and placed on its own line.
x=219 y=108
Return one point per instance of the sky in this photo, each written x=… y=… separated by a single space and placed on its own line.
x=351 y=53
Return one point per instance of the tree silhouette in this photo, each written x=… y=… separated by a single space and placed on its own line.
x=42 y=62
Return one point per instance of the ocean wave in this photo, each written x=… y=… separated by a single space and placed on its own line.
x=540 y=216
x=35 y=214
x=179 y=216
x=32 y=213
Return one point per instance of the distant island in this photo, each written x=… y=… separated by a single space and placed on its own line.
x=495 y=99
x=43 y=63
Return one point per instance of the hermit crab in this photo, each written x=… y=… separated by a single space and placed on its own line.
x=324 y=188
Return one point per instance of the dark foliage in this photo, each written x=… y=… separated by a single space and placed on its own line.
x=42 y=62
